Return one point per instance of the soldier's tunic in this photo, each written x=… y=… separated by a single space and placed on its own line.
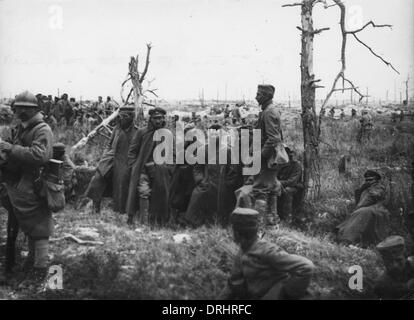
x=265 y=271
x=269 y=123
x=369 y=223
x=32 y=149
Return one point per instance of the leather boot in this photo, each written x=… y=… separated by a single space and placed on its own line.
x=143 y=211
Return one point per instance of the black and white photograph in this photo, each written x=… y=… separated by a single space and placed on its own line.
x=219 y=151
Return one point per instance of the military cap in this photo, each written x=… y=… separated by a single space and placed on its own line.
x=25 y=99
x=372 y=173
x=245 y=218
x=157 y=111
x=393 y=245
x=266 y=88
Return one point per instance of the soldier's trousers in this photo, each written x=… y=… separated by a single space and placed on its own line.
x=12 y=233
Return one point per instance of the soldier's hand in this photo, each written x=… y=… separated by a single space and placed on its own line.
x=5 y=146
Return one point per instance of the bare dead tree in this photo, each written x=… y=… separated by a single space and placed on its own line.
x=137 y=79
x=311 y=122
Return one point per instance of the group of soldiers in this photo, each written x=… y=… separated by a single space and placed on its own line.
x=187 y=194
x=59 y=111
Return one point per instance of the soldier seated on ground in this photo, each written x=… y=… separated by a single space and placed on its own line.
x=369 y=223
x=290 y=178
x=397 y=282
x=261 y=269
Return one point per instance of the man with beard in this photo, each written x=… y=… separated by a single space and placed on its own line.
x=26 y=153
x=113 y=166
x=149 y=183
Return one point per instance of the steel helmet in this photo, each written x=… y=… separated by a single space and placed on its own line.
x=25 y=99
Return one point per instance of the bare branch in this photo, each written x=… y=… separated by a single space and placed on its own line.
x=372 y=24
x=375 y=54
x=129 y=95
x=152 y=91
x=317 y=31
x=292 y=5
x=144 y=73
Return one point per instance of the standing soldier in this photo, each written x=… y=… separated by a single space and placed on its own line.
x=332 y=112
x=366 y=127
x=113 y=166
x=265 y=186
x=353 y=113
x=29 y=149
x=149 y=181
x=62 y=106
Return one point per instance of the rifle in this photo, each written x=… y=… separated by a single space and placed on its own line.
x=103 y=125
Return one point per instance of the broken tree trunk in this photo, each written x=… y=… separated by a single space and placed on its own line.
x=311 y=165
x=137 y=87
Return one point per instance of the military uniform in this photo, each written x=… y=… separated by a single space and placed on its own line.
x=149 y=182
x=369 y=223
x=261 y=269
x=366 y=128
x=395 y=282
x=30 y=150
x=265 y=188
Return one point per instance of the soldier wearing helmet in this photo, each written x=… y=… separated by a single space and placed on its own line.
x=27 y=151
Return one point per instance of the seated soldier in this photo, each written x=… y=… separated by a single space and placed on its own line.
x=68 y=169
x=397 y=282
x=369 y=223
x=290 y=178
x=261 y=269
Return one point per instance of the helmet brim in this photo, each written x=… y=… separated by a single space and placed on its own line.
x=25 y=104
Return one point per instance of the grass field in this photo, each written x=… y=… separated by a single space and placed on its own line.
x=149 y=264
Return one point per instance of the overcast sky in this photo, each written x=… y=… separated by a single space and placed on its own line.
x=83 y=47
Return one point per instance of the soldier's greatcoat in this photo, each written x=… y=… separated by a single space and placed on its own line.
x=32 y=149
